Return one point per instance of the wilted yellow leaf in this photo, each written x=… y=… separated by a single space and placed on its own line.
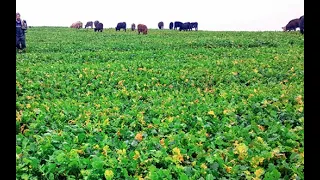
x=162 y=142
x=259 y=172
x=136 y=155
x=228 y=168
x=241 y=149
x=194 y=163
x=204 y=166
x=176 y=150
x=108 y=174
x=299 y=99
x=177 y=155
x=121 y=151
x=139 y=137
x=211 y=113
x=261 y=127
x=255 y=161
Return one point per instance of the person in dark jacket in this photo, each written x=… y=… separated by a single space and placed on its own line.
x=21 y=27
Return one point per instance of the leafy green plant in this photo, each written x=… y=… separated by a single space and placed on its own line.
x=169 y=105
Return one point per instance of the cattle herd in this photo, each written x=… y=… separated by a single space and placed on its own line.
x=187 y=26
x=294 y=24
x=98 y=26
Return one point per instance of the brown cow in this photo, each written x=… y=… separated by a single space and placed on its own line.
x=142 y=28
x=77 y=25
x=133 y=26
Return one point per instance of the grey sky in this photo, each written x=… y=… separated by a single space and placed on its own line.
x=230 y=15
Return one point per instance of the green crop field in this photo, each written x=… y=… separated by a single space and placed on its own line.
x=167 y=105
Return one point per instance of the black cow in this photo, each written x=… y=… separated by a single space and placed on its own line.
x=24 y=27
x=171 y=25
x=133 y=27
x=99 y=27
x=185 y=26
x=96 y=23
x=121 y=25
x=160 y=25
x=89 y=24
x=292 y=25
x=177 y=24
x=194 y=25
x=301 y=24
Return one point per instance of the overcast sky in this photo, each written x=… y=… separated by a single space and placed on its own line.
x=215 y=15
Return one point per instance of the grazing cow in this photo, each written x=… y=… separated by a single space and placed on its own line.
x=121 y=25
x=292 y=25
x=89 y=24
x=96 y=23
x=185 y=26
x=142 y=28
x=77 y=25
x=177 y=24
x=171 y=25
x=160 y=25
x=133 y=26
x=194 y=25
x=301 y=24
x=99 y=27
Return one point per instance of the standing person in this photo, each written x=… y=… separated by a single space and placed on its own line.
x=21 y=27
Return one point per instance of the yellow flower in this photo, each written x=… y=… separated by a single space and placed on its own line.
x=28 y=106
x=108 y=174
